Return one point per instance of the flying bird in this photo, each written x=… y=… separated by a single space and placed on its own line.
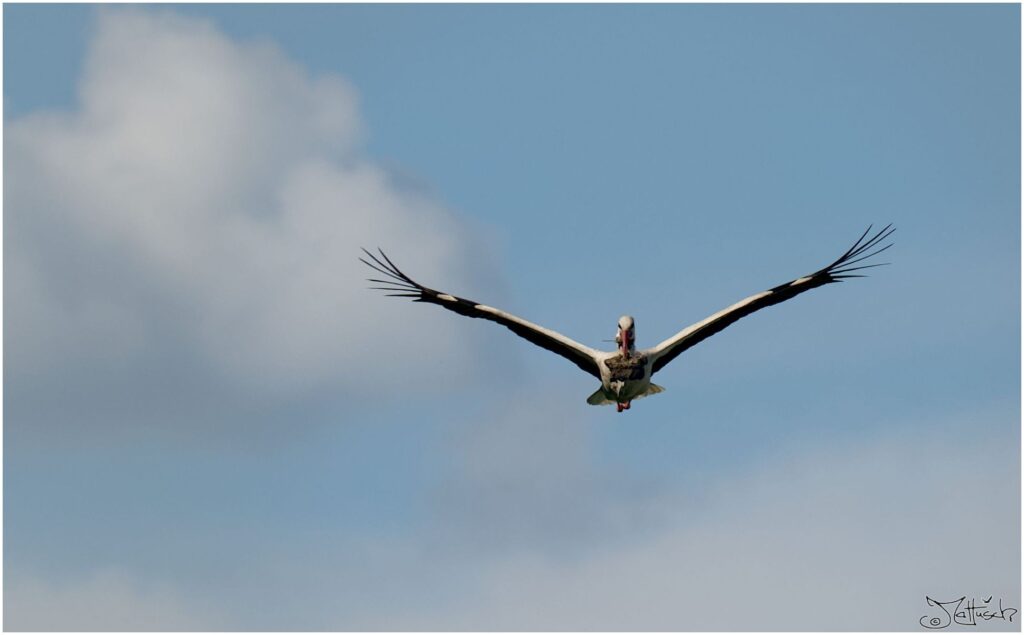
x=625 y=373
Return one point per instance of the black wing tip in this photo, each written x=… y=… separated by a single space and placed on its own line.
x=398 y=283
x=860 y=251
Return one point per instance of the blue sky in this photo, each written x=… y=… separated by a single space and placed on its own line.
x=211 y=424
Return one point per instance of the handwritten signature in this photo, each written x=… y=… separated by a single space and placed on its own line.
x=965 y=614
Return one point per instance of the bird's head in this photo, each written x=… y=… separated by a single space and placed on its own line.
x=626 y=337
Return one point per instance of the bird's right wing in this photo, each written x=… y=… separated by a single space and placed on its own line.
x=402 y=285
x=839 y=270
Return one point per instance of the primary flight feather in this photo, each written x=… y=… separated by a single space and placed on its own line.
x=625 y=373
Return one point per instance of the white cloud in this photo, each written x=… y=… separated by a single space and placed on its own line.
x=206 y=200
x=816 y=539
x=526 y=477
x=106 y=600
x=532 y=532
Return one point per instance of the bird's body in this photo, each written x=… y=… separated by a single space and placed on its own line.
x=623 y=379
x=625 y=373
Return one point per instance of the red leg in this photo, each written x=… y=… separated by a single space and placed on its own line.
x=620 y=407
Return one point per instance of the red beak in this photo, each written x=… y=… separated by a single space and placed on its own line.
x=624 y=342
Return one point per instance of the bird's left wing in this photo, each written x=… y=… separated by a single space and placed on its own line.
x=403 y=286
x=839 y=270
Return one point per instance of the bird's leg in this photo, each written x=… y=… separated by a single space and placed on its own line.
x=619 y=406
x=623 y=405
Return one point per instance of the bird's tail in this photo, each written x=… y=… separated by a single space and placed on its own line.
x=653 y=390
x=599 y=398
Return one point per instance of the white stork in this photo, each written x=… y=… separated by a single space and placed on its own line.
x=625 y=373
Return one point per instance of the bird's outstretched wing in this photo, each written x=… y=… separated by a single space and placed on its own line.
x=839 y=270
x=403 y=286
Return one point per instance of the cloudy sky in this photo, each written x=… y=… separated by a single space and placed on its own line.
x=210 y=423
